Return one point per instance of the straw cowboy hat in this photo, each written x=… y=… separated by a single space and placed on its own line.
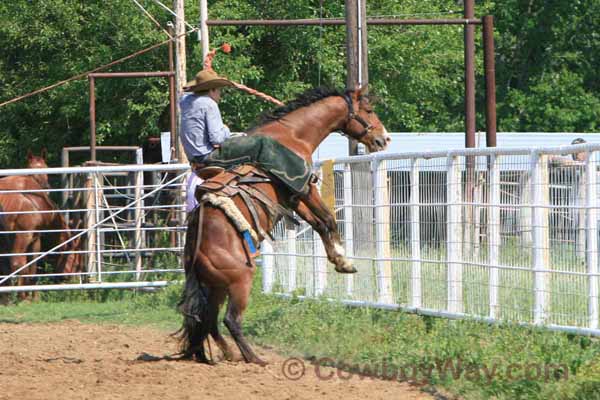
x=205 y=80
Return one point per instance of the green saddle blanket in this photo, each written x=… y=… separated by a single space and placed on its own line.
x=267 y=154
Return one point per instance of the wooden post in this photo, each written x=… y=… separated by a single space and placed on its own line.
x=591 y=201
x=90 y=221
x=180 y=67
x=99 y=235
x=356 y=51
x=382 y=232
x=454 y=236
x=416 y=300
x=494 y=240
x=541 y=240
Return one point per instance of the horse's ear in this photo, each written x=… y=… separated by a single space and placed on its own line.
x=44 y=153
x=29 y=154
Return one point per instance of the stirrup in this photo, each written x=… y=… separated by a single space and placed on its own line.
x=208 y=172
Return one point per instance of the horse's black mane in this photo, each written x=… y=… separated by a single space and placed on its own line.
x=305 y=99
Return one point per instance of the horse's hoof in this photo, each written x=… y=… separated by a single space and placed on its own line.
x=345 y=267
x=259 y=362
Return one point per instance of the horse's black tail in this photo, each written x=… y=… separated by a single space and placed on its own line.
x=194 y=299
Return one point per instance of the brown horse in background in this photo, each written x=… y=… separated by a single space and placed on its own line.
x=39 y=213
x=218 y=265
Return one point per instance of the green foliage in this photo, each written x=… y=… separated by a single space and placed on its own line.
x=547 y=63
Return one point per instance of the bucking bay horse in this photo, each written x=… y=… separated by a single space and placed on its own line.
x=218 y=257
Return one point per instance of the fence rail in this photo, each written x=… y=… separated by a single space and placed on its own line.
x=494 y=234
x=127 y=220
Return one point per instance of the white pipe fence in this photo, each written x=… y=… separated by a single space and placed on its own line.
x=125 y=226
x=495 y=234
x=503 y=234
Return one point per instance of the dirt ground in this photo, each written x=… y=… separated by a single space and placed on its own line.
x=70 y=360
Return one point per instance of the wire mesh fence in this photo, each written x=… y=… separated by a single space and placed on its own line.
x=499 y=234
x=118 y=226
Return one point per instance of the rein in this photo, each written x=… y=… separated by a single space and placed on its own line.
x=353 y=116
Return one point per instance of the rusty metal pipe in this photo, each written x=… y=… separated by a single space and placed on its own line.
x=156 y=74
x=490 y=80
x=92 y=118
x=319 y=22
x=469 y=33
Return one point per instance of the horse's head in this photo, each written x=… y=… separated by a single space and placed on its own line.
x=362 y=123
x=34 y=161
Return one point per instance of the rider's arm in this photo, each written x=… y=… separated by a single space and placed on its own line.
x=217 y=131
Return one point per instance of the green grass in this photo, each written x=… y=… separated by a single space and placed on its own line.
x=361 y=337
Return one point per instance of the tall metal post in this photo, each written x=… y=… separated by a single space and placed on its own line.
x=92 y=118
x=204 y=28
x=490 y=80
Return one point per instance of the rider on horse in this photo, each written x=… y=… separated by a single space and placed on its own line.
x=202 y=129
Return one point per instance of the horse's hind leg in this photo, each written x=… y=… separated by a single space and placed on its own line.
x=238 y=301
x=215 y=300
x=20 y=246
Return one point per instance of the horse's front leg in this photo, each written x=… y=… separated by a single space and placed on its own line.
x=20 y=246
x=313 y=210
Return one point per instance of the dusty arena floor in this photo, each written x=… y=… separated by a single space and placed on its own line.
x=71 y=360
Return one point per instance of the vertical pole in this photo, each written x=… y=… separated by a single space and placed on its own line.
x=592 y=239
x=541 y=242
x=138 y=214
x=415 y=236
x=356 y=51
x=90 y=222
x=469 y=33
x=292 y=258
x=490 y=80
x=382 y=232
x=319 y=258
x=204 y=28
x=97 y=203
x=92 y=118
x=494 y=234
x=348 y=226
x=267 y=266
x=454 y=236
x=352 y=56
x=180 y=65
x=172 y=95
x=469 y=57
x=64 y=179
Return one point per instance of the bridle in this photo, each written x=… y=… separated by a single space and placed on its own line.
x=353 y=116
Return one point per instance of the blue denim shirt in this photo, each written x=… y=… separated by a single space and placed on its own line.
x=201 y=125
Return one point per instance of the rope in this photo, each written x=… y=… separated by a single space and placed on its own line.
x=152 y=18
x=226 y=48
x=84 y=74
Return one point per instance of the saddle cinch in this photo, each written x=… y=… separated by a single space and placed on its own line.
x=221 y=186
